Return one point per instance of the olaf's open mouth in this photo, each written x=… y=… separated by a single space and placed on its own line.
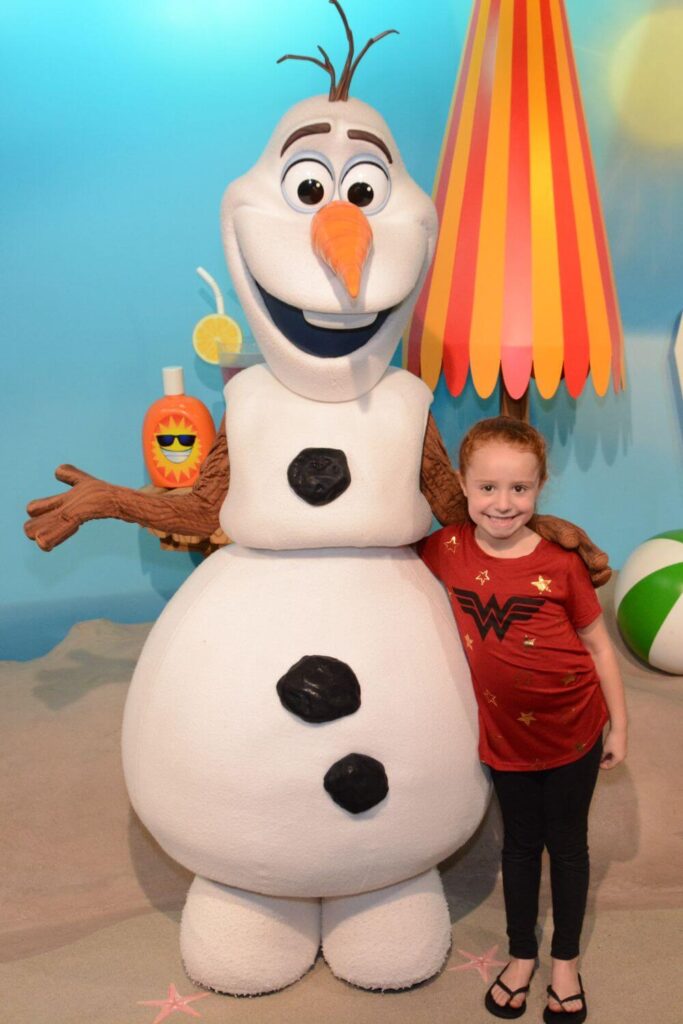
x=327 y=335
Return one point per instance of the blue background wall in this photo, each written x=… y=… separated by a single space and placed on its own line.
x=122 y=123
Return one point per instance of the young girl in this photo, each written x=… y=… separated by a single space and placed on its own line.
x=546 y=681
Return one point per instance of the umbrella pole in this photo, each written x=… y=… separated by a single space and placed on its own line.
x=517 y=408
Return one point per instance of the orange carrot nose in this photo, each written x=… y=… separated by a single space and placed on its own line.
x=342 y=237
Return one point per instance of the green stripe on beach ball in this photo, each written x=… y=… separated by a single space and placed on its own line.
x=646 y=605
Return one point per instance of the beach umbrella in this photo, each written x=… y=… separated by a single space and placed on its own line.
x=521 y=285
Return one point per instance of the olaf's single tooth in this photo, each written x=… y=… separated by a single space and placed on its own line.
x=339 y=321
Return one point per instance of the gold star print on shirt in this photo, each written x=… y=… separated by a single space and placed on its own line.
x=534 y=681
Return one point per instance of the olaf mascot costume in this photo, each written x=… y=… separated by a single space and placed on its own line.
x=300 y=731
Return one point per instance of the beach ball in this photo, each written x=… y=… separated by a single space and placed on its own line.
x=649 y=601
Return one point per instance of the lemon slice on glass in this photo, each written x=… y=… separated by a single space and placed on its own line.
x=216 y=333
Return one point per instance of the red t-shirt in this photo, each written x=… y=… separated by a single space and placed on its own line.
x=539 y=697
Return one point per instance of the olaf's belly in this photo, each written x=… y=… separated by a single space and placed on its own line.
x=229 y=775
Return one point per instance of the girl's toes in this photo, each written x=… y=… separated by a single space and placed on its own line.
x=501 y=997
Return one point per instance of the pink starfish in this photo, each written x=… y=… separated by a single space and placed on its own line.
x=479 y=963
x=174 y=1001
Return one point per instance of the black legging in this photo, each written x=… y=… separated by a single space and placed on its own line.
x=546 y=808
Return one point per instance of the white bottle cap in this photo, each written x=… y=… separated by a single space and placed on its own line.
x=174 y=383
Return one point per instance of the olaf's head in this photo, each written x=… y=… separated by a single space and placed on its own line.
x=328 y=240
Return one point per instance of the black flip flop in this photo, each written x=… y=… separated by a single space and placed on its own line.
x=566 y=1016
x=505 y=1010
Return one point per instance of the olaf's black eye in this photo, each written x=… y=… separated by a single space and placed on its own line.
x=366 y=184
x=311 y=192
x=306 y=183
x=360 y=193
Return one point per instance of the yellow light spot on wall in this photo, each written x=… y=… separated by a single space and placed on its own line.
x=646 y=79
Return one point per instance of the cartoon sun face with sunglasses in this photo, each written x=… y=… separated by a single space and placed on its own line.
x=176 y=451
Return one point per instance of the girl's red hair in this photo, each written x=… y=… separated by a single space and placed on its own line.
x=505 y=430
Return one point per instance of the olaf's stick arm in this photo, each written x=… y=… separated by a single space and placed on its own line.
x=439 y=481
x=53 y=520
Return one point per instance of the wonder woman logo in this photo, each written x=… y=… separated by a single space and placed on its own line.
x=492 y=616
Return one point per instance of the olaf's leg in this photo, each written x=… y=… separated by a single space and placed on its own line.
x=391 y=938
x=244 y=943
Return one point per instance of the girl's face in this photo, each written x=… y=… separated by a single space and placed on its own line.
x=501 y=484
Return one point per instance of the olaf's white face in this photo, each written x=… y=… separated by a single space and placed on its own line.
x=328 y=240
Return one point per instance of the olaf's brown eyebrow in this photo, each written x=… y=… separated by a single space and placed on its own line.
x=358 y=133
x=321 y=128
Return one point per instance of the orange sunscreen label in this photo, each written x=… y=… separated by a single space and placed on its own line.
x=177 y=434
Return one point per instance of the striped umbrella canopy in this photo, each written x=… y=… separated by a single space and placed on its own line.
x=522 y=281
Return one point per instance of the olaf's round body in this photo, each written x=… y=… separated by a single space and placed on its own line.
x=225 y=776
x=230 y=782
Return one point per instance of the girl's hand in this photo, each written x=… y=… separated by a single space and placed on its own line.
x=614 y=750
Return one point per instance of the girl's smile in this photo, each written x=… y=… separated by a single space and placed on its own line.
x=501 y=483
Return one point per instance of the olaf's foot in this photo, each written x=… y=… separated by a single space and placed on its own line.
x=246 y=944
x=392 y=938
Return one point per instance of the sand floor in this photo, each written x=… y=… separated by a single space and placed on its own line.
x=90 y=904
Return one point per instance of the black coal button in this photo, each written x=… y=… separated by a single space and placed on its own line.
x=319 y=475
x=357 y=782
x=320 y=689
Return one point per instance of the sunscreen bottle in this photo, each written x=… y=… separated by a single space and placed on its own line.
x=177 y=433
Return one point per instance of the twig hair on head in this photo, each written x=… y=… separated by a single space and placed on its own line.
x=340 y=90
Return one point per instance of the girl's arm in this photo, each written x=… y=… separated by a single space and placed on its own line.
x=598 y=644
